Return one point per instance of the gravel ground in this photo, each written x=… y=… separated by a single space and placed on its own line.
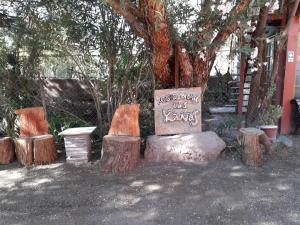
x=222 y=192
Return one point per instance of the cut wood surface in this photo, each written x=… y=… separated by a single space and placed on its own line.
x=254 y=143
x=120 y=153
x=44 y=149
x=126 y=121
x=32 y=122
x=24 y=150
x=252 y=154
x=7 y=151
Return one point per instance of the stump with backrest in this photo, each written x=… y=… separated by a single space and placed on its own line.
x=121 y=147
x=35 y=145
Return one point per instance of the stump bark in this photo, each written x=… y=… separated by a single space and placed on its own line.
x=24 y=150
x=7 y=151
x=252 y=154
x=44 y=149
x=120 y=153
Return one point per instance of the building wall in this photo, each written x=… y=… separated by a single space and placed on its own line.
x=291 y=71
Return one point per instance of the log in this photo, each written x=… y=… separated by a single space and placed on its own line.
x=24 y=150
x=7 y=151
x=120 y=153
x=252 y=153
x=44 y=149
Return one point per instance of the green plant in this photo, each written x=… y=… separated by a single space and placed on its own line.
x=271 y=115
x=59 y=121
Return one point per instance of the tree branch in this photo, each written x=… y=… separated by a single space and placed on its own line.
x=224 y=33
x=131 y=14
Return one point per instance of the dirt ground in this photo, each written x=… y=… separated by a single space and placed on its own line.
x=222 y=192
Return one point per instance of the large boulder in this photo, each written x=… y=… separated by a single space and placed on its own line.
x=126 y=121
x=194 y=147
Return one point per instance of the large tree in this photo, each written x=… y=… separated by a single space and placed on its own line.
x=183 y=38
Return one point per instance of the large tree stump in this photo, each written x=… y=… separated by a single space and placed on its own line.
x=44 y=149
x=120 y=153
x=252 y=154
x=7 y=151
x=24 y=150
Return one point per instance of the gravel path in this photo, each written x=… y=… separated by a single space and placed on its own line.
x=222 y=192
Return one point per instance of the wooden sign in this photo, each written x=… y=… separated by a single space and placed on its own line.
x=177 y=111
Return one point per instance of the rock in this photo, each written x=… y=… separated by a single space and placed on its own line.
x=120 y=153
x=32 y=122
x=125 y=121
x=195 y=147
x=7 y=150
x=286 y=141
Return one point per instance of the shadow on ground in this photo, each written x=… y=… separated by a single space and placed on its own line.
x=223 y=192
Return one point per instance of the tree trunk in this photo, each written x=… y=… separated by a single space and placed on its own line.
x=110 y=81
x=24 y=150
x=252 y=153
x=254 y=97
x=120 y=153
x=44 y=149
x=253 y=104
x=149 y=20
x=7 y=151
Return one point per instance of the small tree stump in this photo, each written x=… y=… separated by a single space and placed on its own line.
x=24 y=150
x=120 y=153
x=252 y=153
x=44 y=149
x=7 y=151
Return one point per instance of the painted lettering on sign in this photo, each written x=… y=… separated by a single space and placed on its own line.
x=190 y=117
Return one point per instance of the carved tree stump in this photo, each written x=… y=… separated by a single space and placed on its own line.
x=44 y=149
x=7 y=151
x=32 y=122
x=120 y=153
x=252 y=154
x=24 y=150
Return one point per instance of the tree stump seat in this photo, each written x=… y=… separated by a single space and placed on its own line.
x=44 y=149
x=24 y=150
x=251 y=140
x=120 y=153
x=37 y=150
x=7 y=151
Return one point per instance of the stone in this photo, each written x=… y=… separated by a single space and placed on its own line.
x=120 y=153
x=32 y=122
x=125 y=121
x=177 y=111
x=195 y=147
x=286 y=141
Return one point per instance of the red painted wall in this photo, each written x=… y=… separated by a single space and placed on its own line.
x=290 y=78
